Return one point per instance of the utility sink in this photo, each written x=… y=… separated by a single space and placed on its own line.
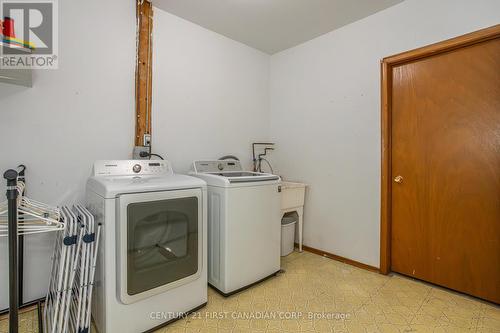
x=292 y=200
x=292 y=195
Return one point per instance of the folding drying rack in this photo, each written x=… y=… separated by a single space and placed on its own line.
x=68 y=302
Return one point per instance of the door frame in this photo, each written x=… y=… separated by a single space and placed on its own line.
x=387 y=65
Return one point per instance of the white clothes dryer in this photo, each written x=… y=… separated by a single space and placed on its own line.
x=152 y=262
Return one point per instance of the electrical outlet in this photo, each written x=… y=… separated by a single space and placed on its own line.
x=147 y=140
x=138 y=150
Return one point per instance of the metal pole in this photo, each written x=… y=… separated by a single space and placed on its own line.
x=11 y=177
x=20 y=273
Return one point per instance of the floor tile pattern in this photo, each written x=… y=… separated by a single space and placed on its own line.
x=316 y=294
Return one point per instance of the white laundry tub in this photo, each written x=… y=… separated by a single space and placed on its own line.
x=292 y=195
x=292 y=200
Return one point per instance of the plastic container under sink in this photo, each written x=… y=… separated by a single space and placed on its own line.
x=287 y=234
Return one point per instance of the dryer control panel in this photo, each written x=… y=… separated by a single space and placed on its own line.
x=132 y=167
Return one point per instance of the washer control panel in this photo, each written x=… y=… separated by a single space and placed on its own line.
x=217 y=166
x=132 y=167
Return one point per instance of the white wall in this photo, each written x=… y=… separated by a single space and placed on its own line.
x=72 y=116
x=325 y=114
x=210 y=99
x=210 y=93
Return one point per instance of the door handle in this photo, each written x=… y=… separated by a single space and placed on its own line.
x=166 y=252
x=398 y=179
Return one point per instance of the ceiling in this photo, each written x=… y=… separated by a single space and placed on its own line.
x=273 y=25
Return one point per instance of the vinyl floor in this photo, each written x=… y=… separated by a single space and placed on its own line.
x=316 y=294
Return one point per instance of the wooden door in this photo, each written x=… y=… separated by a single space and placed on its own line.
x=445 y=169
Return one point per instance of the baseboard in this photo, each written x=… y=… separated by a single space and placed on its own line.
x=26 y=307
x=339 y=258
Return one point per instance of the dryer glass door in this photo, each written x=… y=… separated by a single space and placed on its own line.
x=160 y=242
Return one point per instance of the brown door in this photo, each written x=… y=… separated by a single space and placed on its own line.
x=445 y=169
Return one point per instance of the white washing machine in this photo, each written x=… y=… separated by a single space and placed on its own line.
x=244 y=224
x=152 y=262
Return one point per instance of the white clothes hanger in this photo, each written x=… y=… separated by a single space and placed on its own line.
x=34 y=217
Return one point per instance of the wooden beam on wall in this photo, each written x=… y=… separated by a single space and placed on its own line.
x=144 y=70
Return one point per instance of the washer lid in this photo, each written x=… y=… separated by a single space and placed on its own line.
x=227 y=172
x=245 y=176
x=112 y=186
x=214 y=179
